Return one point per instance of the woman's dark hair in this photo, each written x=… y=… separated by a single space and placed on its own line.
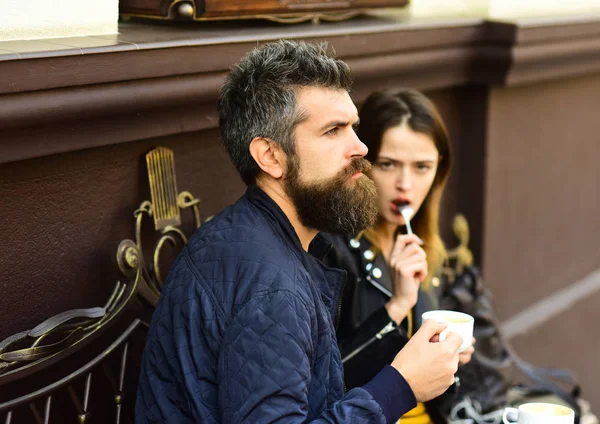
x=387 y=109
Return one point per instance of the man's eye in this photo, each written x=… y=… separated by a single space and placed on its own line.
x=332 y=131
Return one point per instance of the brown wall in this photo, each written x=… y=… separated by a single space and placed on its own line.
x=542 y=189
x=463 y=109
x=569 y=340
x=541 y=214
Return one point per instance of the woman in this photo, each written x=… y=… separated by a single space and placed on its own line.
x=393 y=277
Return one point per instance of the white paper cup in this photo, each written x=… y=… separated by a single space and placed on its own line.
x=539 y=413
x=458 y=322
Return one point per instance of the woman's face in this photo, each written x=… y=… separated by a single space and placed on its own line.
x=404 y=171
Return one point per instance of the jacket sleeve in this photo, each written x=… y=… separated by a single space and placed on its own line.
x=264 y=371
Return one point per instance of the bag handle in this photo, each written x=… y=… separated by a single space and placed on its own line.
x=543 y=378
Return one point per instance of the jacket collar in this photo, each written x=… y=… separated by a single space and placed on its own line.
x=276 y=218
x=328 y=280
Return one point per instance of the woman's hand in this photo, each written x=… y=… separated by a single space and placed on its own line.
x=465 y=357
x=408 y=266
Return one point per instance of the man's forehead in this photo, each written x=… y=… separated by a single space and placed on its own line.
x=324 y=104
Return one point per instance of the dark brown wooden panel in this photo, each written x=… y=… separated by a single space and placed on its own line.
x=542 y=197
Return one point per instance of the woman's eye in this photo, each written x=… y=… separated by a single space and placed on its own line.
x=386 y=166
x=423 y=167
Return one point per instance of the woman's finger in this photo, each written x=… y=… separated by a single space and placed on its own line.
x=405 y=240
x=416 y=270
x=468 y=350
x=409 y=251
x=409 y=269
x=464 y=358
x=408 y=238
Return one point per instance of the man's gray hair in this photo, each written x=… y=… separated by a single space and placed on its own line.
x=258 y=98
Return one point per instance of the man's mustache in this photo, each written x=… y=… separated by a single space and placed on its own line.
x=358 y=165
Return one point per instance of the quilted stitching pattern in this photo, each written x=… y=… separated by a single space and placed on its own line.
x=242 y=333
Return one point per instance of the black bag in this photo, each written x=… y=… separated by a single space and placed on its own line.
x=488 y=380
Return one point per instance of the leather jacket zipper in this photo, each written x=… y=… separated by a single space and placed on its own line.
x=385 y=330
x=379 y=335
x=378 y=286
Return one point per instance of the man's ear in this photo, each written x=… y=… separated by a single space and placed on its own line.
x=268 y=156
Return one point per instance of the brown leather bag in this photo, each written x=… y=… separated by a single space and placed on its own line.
x=292 y=10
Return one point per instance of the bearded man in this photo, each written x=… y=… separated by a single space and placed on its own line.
x=245 y=327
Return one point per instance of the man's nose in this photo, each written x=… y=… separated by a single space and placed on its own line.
x=359 y=149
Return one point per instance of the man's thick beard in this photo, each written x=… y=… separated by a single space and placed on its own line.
x=335 y=205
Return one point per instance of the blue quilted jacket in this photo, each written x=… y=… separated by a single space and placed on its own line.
x=244 y=332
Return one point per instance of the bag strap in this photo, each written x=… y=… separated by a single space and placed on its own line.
x=543 y=378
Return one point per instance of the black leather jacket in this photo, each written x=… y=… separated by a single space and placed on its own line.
x=367 y=336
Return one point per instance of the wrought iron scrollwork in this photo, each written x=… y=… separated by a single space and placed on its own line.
x=28 y=351
x=164 y=209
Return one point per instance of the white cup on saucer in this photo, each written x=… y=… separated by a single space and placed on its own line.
x=458 y=322
x=539 y=413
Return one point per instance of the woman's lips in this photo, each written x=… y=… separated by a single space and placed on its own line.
x=397 y=204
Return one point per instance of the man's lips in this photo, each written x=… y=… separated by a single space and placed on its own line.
x=356 y=175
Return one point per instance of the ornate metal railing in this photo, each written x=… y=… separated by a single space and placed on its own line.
x=25 y=409
x=51 y=340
